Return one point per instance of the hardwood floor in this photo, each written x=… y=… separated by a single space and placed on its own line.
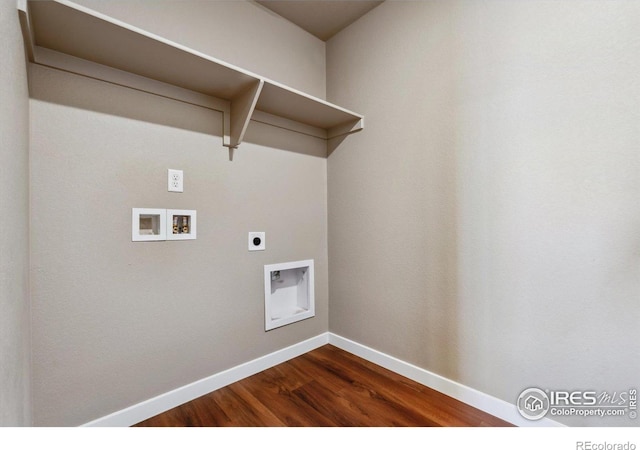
x=325 y=387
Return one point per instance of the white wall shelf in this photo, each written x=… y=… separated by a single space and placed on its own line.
x=70 y=37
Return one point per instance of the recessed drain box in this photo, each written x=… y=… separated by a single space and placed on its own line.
x=288 y=293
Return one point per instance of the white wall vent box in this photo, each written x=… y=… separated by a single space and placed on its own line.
x=288 y=293
x=148 y=224
x=181 y=224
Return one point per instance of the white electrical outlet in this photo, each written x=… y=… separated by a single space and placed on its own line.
x=257 y=241
x=176 y=181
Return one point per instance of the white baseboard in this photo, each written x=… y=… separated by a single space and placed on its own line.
x=154 y=406
x=484 y=402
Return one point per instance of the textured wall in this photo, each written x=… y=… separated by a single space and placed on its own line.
x=238 y=32
x=15 y=403
x=485 y=226
x=117 y=322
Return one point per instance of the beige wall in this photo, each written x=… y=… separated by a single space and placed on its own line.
x=499 y=176
x=238 y=32
x=483 y=226
x=117 y=322
x=15 y=403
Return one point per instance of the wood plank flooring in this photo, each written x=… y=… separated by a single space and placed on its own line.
x=325 y=387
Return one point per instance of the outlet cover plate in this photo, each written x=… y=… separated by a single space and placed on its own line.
x=175 y=180
x=262 y=245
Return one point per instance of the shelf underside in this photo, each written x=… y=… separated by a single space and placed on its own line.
x=73 y=30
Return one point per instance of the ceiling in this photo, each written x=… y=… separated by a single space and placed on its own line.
x=322 y=18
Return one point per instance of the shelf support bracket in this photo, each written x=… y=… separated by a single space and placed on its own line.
x=27 y=29
x=242 y=107
x=339 y=133
x=348 y=128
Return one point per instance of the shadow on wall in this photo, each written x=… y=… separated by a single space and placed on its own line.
x=334 y=143
x=270 y=136
x=56 y=86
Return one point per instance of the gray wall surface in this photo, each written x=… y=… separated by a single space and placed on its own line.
x=485 y=224
x=15 y=401
x=242 y=33
x=117 y=322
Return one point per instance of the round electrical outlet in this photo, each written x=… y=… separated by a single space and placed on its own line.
x=257 y=241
